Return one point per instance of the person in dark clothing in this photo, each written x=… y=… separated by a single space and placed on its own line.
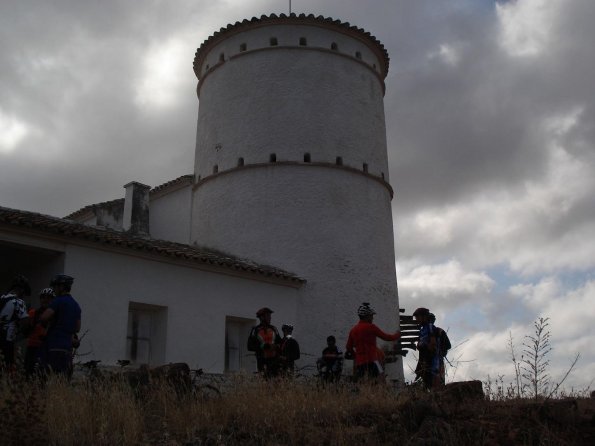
x=289 y=350
x=265 y=342
x=330 y=365
x=63 y=317
x=428 y=364
x=37 y=331
x=444 y=346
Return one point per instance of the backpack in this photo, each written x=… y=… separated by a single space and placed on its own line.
x=443 y=341
x=253 y=342
x=4 y=299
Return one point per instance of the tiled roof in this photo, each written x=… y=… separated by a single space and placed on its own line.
x=64 y=228
x=90 y=207
x=292 y=18
x=184 y=178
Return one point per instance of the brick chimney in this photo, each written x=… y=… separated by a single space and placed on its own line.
x=136 y=209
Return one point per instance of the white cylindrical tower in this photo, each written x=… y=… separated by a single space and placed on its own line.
x=291 y=164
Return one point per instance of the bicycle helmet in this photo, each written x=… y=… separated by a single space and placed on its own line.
x=263 y=311
x=365 y=310
x=62 y=279
x=421 y=311
x=47 y=292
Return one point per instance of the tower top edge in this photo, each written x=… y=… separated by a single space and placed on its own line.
x=291 y=19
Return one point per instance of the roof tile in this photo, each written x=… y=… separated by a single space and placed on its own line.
x=63 y=227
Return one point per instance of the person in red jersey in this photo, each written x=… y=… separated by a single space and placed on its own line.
x=362 y=344
x=265 y=342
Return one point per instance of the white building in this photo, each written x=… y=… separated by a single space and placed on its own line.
x=288 y=207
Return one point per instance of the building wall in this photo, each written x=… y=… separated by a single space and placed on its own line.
x=197 y=302
x=169 y=216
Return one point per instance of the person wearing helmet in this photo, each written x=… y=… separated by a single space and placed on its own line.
x=265 y=342
x=37 y=331
x=361 y=344
x=428 y=363
x=289 y=350
x=63 y=317
x=13 y=317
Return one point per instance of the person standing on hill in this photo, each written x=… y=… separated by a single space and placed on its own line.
x=289 y=349
x=265 y=342
x=428 y=347
x=63 y=317
x=13 y=317
x=444 y=346
x=38 y=331
x=361 y=344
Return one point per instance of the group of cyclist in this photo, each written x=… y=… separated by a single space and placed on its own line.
x=276 y=355
x=51 y=329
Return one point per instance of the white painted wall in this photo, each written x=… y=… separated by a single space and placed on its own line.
x=197 y=304
x=329 y=226
x=169 y=215
x=291 y=101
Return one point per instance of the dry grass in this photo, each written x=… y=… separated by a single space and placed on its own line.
x=255 y=412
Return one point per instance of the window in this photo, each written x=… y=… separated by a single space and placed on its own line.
x=365 y=167
x=240 y=162
x=215 y=168
x=243 y=47
x=273 y=158
x=237 y=357
x=303 y=41
x=306 y=157
x=334 y=46
x=339 y=161
x=145 y=338
x=221 y=57
x=358 y=55
x=273 y=41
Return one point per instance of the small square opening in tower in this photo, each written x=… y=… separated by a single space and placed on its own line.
x=273 y=41
x=303 y=41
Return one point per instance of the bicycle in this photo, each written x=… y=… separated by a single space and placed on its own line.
x=202 y=390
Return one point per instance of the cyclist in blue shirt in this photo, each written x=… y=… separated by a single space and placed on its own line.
x=63 y=317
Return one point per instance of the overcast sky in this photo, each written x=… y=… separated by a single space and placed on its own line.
x=491 y=133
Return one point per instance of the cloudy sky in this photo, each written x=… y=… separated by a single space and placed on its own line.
x=490 y=110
